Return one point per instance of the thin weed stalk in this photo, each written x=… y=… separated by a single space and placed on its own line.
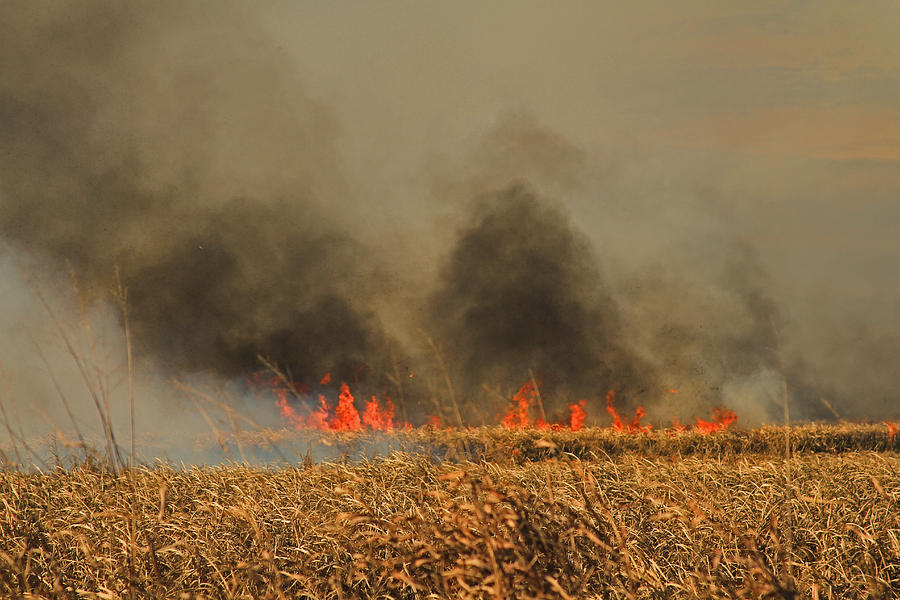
x=121 y=295
x=439 y=357
x=83 y=369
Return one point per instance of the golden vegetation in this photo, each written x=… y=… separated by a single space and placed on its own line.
x=500 y=444
x=629 y=525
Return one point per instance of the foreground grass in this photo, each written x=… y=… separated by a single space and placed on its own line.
x=754 y=526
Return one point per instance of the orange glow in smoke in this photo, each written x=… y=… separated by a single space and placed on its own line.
x=326 y=379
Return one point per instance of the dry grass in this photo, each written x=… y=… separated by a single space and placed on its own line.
x=499 y=444
x=632 y=525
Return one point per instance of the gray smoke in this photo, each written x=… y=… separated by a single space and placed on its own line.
x=174 y=143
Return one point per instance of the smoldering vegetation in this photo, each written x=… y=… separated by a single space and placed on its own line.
x=179 y=147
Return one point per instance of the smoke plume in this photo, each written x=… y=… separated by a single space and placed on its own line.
x=522 y=290
x=175 y=145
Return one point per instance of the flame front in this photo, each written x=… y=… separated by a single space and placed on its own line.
x=723 y=418
x=635 y=425
x=518 y=416
x=343 y=417
x=578 y=415
x=379 y=416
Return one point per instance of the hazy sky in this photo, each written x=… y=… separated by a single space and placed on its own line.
x=786 y=112
x=807 y=79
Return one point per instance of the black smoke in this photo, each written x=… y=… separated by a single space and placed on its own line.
x=522 y=292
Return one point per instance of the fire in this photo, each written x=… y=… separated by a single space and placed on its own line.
x=342 y=417
x=318 y=419
x=723 y=418
x=518 y=417
x=576 y=421
x=346 y=417
x=676 y=427
x=287 y=411
x=635 y=425
x=379 y=416
x=892 y=429
x=611 y=409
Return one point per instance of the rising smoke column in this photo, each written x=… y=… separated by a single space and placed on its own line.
x=520 y=290
x=173 y=142
x=176 y=142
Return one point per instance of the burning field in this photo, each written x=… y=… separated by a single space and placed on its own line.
x=529 y=508
x=460 y=300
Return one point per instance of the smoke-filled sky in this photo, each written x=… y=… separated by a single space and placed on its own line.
x=697 y=196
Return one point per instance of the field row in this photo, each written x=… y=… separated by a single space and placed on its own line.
x=502 y=444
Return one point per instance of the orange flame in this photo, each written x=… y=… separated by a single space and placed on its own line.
x=722 y=420
x=676 y=427
x=578 y=415
x=346 y=417
x=611 y=409
x=892 y=429
x=517 y=416
x=377 y=418
x=287 y=411
x=634 y=426
x=318 y=419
